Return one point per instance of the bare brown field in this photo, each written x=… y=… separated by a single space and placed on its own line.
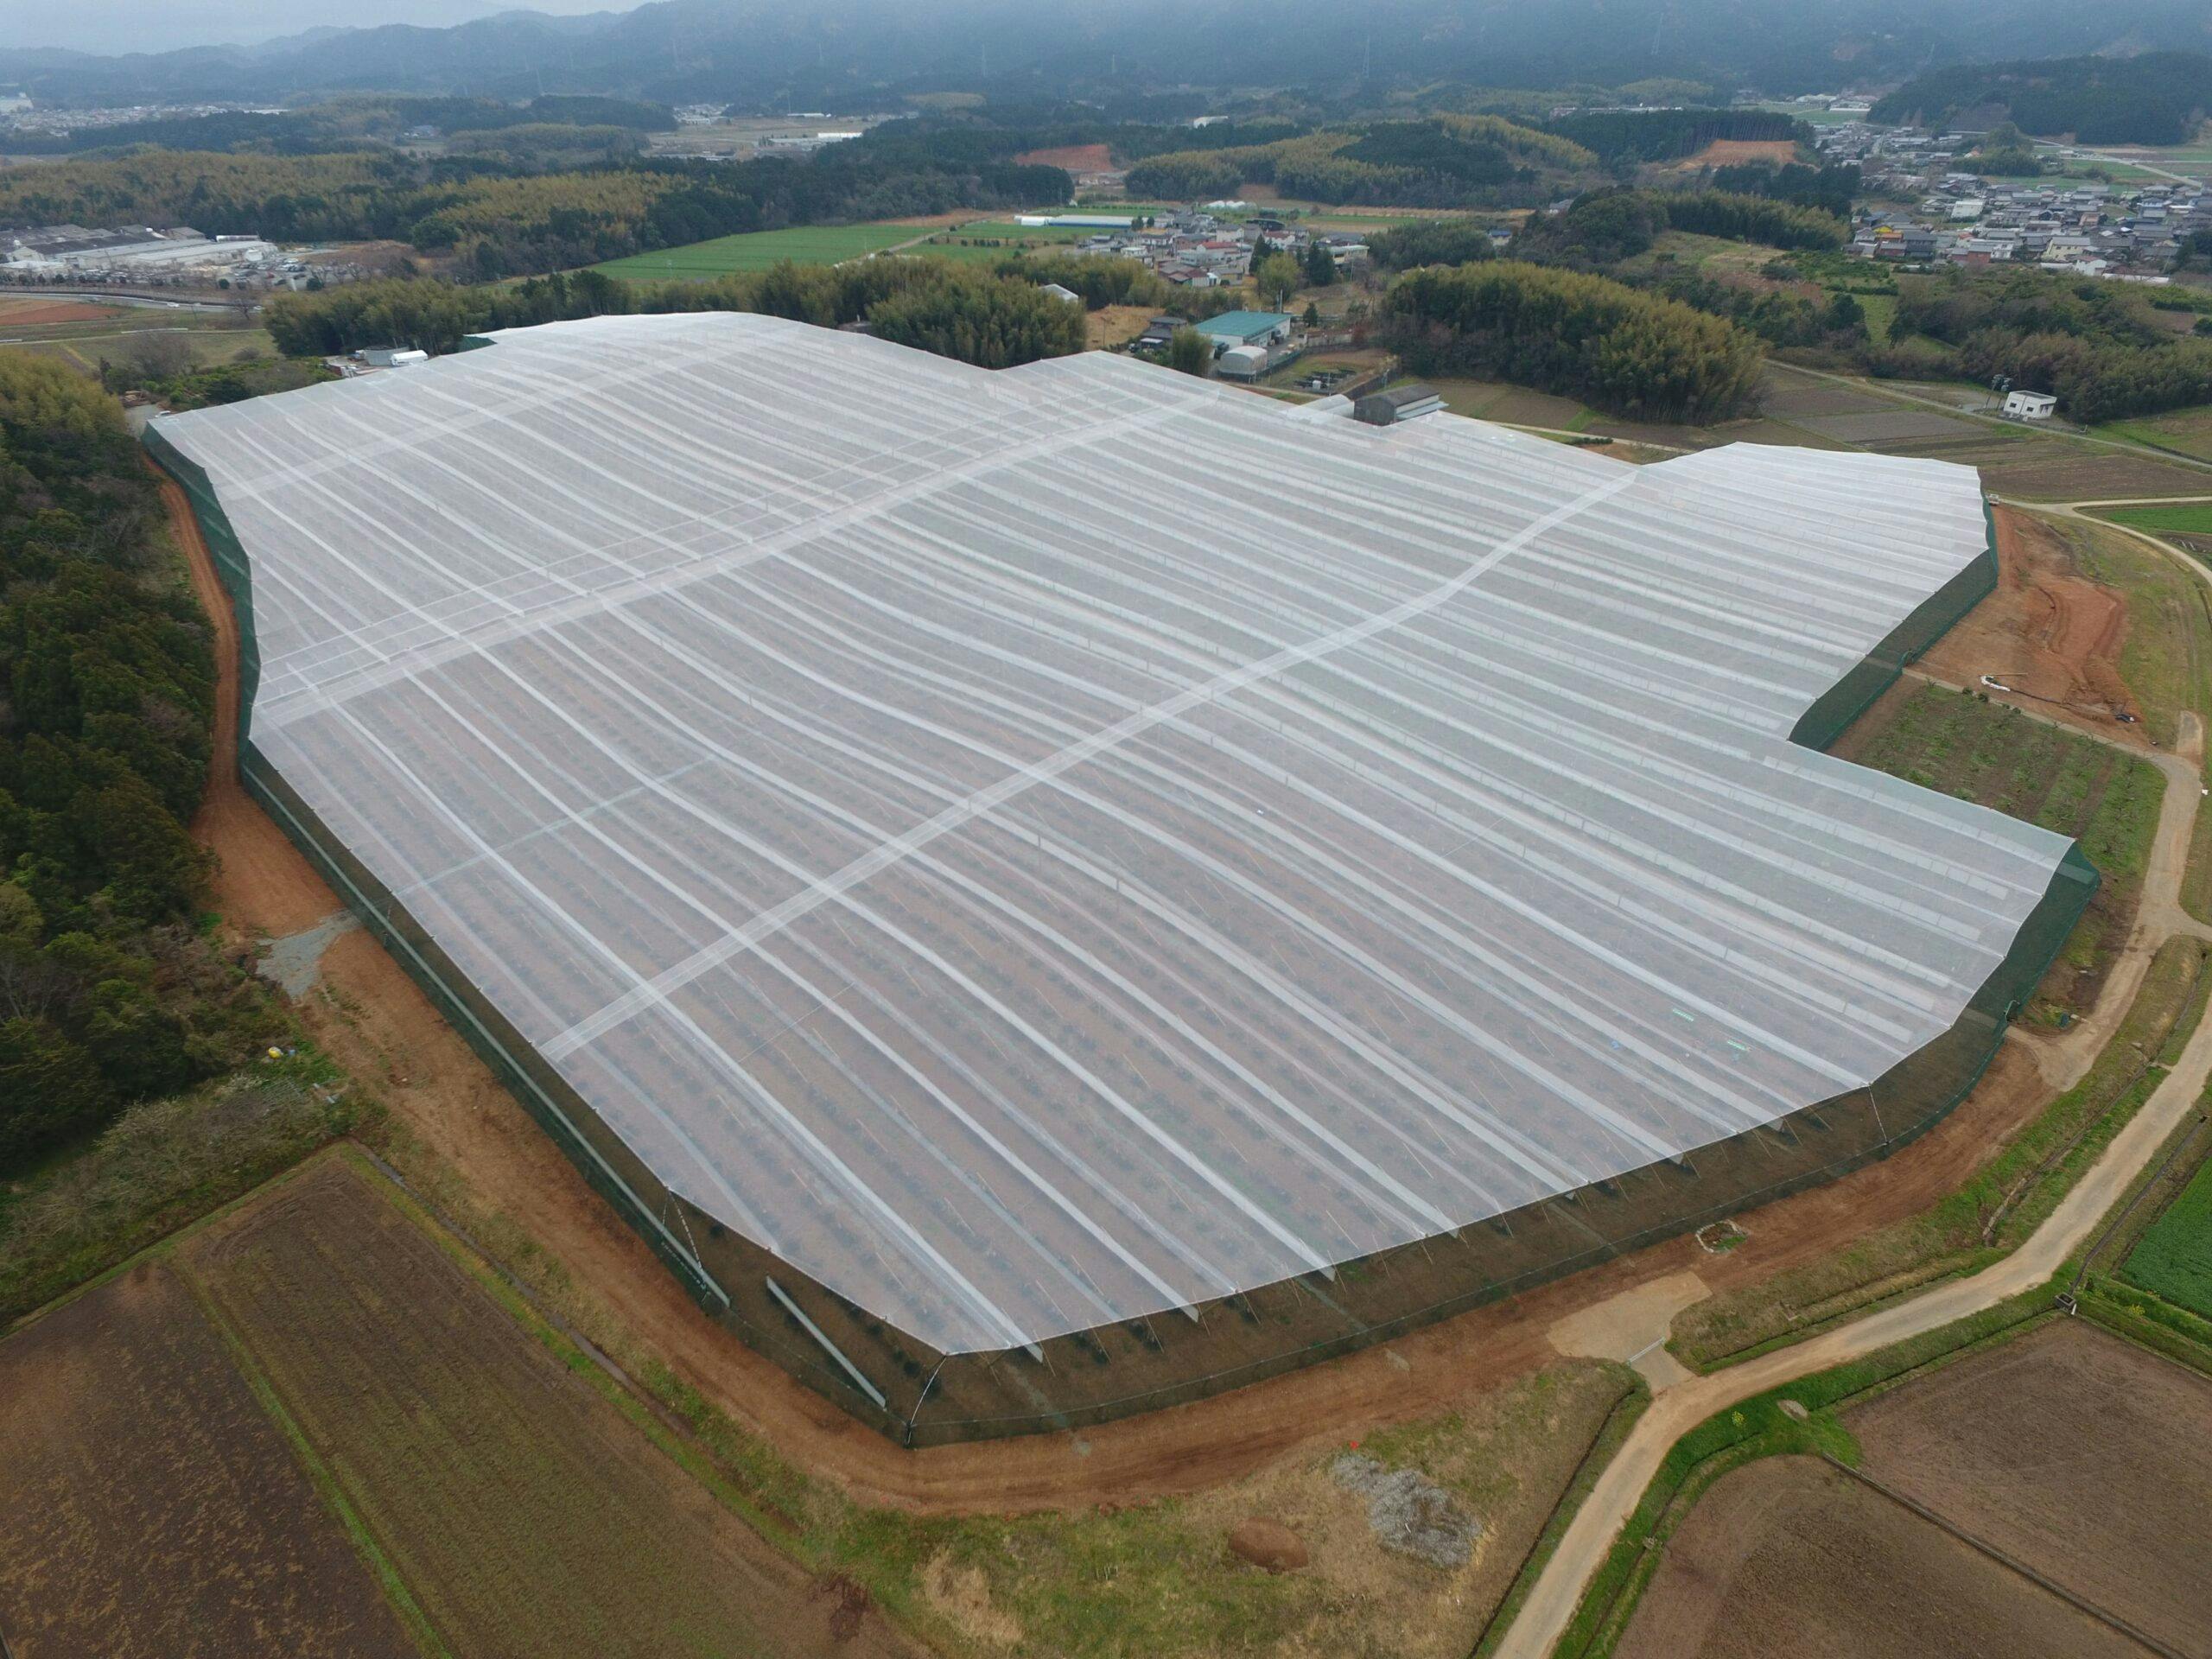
x=25 y=311
x=150 y=1507
x=1076 y=158
x=2048 y=631
x=526 y=1513
x=1731 y=152
x=1115 y=325
x=1787 y=1557
x=2040 y=472
x=2076 y=1453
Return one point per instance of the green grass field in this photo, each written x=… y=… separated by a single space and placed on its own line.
x=1998 y=757
x=2182 y=519
x=811 y=244
x=2174 y=1258
x=2185 y=432
x=993 y=239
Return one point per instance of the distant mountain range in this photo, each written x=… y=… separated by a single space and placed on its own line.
x=845 y=54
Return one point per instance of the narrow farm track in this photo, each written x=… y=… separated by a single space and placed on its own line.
x=1678 y=1408
x=374 y=1020
x=260 y=881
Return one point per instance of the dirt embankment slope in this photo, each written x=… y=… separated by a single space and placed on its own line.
x=2048 y=632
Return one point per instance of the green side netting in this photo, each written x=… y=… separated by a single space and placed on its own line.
x=1832 y=714
x=233 y=569
x=914 y=1393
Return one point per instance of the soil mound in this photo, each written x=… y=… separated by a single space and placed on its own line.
x=1268 y=1543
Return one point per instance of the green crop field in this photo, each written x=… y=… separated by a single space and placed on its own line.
x=2182 y=519
x=2174 y=1258
x=1994 y=756
x=811 y=244
x=1998 y=757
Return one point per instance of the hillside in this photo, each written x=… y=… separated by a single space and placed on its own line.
x=2160 y=97
x=866 y=55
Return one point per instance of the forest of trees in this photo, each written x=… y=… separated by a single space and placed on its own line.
x=1614 y=346
x=2157 y=98
x=1103 y=280
x=108 y=992
x=1430 y=242
x=2095 y=345
x=1630 y=136
x=1829 y=187
x=977 y=315
x=1444 y=161
x=343 y=122
x=1607 y=226
x=494 y=220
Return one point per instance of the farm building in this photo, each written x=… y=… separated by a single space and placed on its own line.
x=1247 y=328
x=1029 y=935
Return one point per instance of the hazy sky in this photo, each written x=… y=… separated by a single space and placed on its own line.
x=158 y=25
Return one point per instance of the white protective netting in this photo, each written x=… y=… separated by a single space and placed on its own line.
x=1039 y=848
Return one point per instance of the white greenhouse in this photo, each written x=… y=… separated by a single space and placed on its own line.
x=1014 y=881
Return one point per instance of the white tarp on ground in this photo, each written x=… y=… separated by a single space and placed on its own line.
x=1039 y=847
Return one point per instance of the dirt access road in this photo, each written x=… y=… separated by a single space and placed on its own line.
x=1679 y=1407
x=372 y=1020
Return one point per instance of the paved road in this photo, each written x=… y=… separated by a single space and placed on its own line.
x=1678 y=1408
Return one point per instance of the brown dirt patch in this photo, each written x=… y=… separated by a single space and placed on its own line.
x=962 y=1596
x=1113 y=325
x=525 y=1513
x=262 y=884
x=150 y=1508
x=1268 y=1544
x=1733 y=152
x=2075 y=1453
x=378 y=258
x=2048 y=631
x=1076 y=158
x=373 y=1021
x=2046 y=471
x=23 y=313
x=1787 y=1557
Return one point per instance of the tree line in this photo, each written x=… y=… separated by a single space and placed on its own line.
x=2155 y=97
x=108 y=992
x=1607 y=227
x=1615 y=347
x=2095 y=345
x=976 y=315
x=343 y=122
x=1626 y=137
x=1444 y=161
x=493 y=217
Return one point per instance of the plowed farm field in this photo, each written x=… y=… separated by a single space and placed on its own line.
x=1787 y=1558
x=2079 y=1455
x=2065 y=1464
x=525 y=1512
x=149 y=1507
